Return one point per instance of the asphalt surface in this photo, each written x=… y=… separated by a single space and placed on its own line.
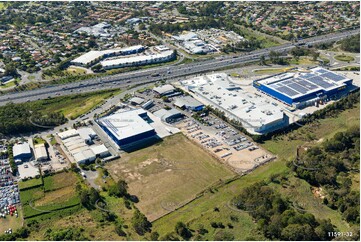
x=170 y=72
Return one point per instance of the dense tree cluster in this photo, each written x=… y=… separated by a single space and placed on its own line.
x=351 y=44
x=200 y=23
x=277 y=219
x=20 y=118
x=119 y=189
x=140 y=223
x=329 y=165
x=302 y=51
x=68 y=234
x=20 y=234
x=88 y=198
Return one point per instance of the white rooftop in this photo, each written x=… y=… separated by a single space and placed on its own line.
x=255 y=112
x=86 y=133
x=126 y=124
x=40 y=151
x=99 y=149
x=93 y=55
x=68 y=133
x=164 y=89
x=19 y=149
x=135 y=59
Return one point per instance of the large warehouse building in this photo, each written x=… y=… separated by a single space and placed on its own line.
x=303 y=89
x=22 y=152
x=128 y=127
x=94 y=56
x=77 y=143
x=139 y=60
x=255 y=113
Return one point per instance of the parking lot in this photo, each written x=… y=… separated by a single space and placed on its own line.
x=226 y=143
x=9 y=191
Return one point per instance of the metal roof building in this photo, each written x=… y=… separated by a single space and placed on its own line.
x=127 y=127
x=255 y=113
x=68 y=133
x=164 y=90
x=22 y=151
x=136 y=100
x=100 y=151
x=138 y=60
x=168 y=116
x=95 y=56
x=87 y=134
x=188 y=102
x=298 y=89
x=40 y=152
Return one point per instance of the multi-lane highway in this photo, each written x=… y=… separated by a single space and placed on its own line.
x=160 y=73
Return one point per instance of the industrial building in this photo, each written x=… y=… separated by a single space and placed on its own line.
x=303 y=88
x=188 y=103
x=169 y=116
x=255 y=113
x=87 y=134
x=139 y=60
x=148 y=104
x=22 y=152
x=67 y=134
x=165 y=90
x=77 y=143
x=128 y=127
x=96 y=30
x=136 y=101
x=40 y=152
x=100 y=151
x=192 y=44
x=94 y=56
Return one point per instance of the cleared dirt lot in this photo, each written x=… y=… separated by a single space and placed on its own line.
x=242 y=160
x=168 y=174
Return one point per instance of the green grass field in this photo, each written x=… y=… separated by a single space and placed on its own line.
x=59 y=180
x=76 y=71
x=271 y=70
x=7 y=85
x=57 y=192
x=345 y=58
x=201 y=210
x=175 y=175
x=303 y=60
x=30 y=183
x=348 y=68
x=73 y=106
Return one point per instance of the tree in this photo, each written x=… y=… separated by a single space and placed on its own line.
x=183 y=231
x=298 y=232
x=262 y=60
x=154 y=236
x=120 y=231
x=140 y=223
x=10 y=70
x=223 y=236
x=119 y=189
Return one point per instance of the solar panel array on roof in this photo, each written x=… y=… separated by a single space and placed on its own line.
x=307 y=84
x=333 y=76
x=298 y=88
x=287 y=82
x=110 y=125
x=287 y=91
x=321 y=71
x=307 y=75
x=320 y=82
